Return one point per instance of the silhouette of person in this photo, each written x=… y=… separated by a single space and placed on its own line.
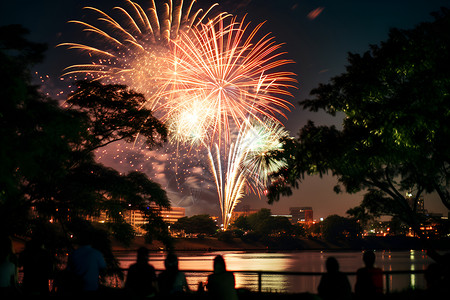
x=141 y=279
x=172 y=282
x=334 y=284
x=8 y=270
x=221 y=283
x=86 y=263
x=37 y=268
x=434 y=279
x=369 y=280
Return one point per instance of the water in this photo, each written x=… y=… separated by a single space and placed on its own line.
x=304 y=261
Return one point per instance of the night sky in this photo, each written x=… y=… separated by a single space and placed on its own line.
x=317 y=35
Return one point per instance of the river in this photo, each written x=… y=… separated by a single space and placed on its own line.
x=302 y=261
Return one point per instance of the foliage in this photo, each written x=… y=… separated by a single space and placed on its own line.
x=337 y=228
x=225 y=236
x=241 y=223
x=48 y=170
x=396 y=103
x=300 y=230
x=397 y=227
x=157 y=229
x=260 y=221
x=362 y=215
x=263 y=223
x=200 y=224
x=113 y=113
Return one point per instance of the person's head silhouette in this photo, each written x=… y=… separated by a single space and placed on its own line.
x=219 y=264
x=171 y=262
x=332 y=265
x=369 y=258
x=142 y=255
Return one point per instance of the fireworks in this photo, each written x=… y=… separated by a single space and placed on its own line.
x=133 y=48
x=246 y=163
x=235 y=74
x=215 y=82
x=262 y=139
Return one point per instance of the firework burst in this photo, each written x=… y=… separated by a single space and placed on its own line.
x=246 y=164
x=260 y=140
x=132 y=48
x=236 y=74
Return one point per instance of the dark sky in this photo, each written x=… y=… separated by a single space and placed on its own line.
x=317 y=35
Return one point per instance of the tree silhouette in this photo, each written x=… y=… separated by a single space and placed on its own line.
x=394 y=138
x=200 y=224
x=48 y=171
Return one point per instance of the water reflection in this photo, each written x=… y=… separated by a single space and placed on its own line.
x=259 y=262
x=307 y=261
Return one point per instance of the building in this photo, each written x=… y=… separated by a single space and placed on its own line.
x=173 y=214
x=136 y=218
x=302 y=215
x=419 y=205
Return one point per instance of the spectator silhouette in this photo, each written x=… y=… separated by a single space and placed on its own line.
x=445 y=265
x=141 y=278
x=37 y=268
x=85 y=264
x=369 y=280
x=171 y=281
x=334 y=284
x=8 y=270
x=221 y=283
x=434 y=280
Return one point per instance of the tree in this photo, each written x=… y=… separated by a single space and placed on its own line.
x=337 y=228
x=281 y=226
x=397 y=227
x=300 y=230
x=241 y=223
x=263 y=223
x=113 y=113
x=260 y=222
x=47 y=165
x=199 y=224
x=362 y=215
x=396 y=103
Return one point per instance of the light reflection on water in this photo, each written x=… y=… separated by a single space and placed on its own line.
x=306 y=261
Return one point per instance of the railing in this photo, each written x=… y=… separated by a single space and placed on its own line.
x=387 y=275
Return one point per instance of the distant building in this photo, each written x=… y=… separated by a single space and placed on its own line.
x=136 y=218
x=284 y=216
x=173 y=214
x=418 y=204
x=302 y=215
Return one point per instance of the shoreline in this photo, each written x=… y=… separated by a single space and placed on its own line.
x=209 y=244
x=289 y=244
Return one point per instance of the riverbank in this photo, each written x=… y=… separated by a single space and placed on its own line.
x=291 y=244
x=280 y=244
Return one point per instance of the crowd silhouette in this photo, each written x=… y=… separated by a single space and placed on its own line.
x=80 y=279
